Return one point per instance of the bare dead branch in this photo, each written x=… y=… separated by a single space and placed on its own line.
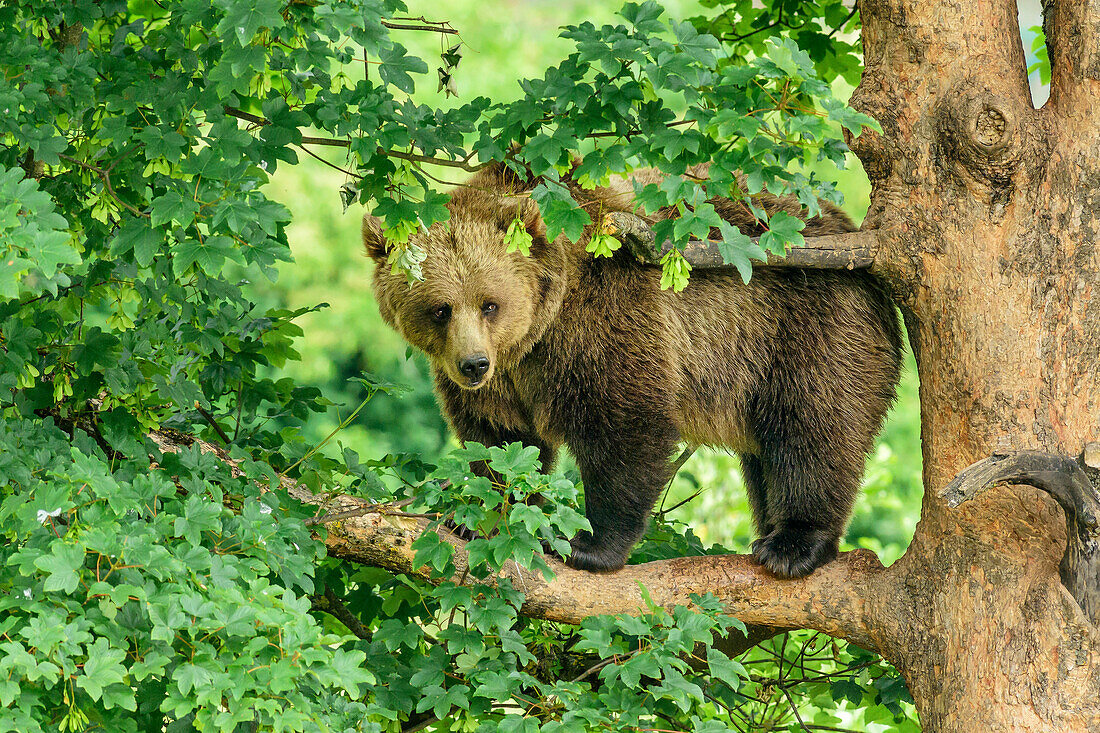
x=1063 y=478
x=855 y=250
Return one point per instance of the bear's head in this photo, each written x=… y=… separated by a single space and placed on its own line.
x=479 y=307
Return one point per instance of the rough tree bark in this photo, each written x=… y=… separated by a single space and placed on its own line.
x=986 y=212
x=985 y=216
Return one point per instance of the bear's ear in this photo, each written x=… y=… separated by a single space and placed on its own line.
x=373 y=239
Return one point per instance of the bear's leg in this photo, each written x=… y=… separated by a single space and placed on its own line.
x=622 y=480
x=809 y=494
x=753 y=472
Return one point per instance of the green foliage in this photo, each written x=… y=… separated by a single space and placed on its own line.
x=36 y=245
x=148 y=589
x=819 y=683
x=1039 y=53
x=823 y=29
x=655 y=94
x=131 y=599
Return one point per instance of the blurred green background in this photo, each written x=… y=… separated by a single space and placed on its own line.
x=504 y=44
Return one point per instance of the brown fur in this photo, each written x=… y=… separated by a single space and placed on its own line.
x=794 y=371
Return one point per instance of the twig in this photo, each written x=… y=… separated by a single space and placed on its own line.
x=794 y=708
x=433 y=26
x=330 y=164
x=596 y=667
x=103 y=176
x=422 y=721
x=334 y=606
x=464 y=163
x=844 y=22
x=213 y=423
x=676 y=466
x=679 y=504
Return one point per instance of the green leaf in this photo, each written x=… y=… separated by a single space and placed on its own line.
x=34 y=246
x=783 y=230
x=514 y=459
x=723 y=668
x=141 y=239
x=173 y=207
x=560 y=211
x=102 y=668
x=209 y=254
x=244 y=18
x=739 y=250
x=62 y=566
x=397 y=65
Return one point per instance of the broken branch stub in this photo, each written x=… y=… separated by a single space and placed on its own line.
x=1063 y=478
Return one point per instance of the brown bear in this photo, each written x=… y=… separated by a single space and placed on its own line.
x=794 y=371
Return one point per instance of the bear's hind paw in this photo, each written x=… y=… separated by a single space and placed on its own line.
x=794 y=551
x=585 y=556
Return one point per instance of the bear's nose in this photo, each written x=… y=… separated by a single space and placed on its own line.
x=474 y=367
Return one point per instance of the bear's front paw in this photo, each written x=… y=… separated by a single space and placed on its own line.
x=589 y=555
x=794 y=551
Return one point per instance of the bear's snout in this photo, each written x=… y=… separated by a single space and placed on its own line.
x=473 y=370
x=473 y=367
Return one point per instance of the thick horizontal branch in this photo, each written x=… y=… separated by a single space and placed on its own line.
x=1064 y=479
x=829 y=600
x=855 y=250
x=832 y=599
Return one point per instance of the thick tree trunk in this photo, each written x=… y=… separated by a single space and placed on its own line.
x=986 y=212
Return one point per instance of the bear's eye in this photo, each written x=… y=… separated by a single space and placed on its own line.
x=441 y=313
x=489 y=308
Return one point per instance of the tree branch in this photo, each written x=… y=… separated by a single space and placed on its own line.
x=464 y=164
x=1065 y=480
x=855 y=250
x=832 y=599
x=333 y=605
x=829 y=600
x=434 y=26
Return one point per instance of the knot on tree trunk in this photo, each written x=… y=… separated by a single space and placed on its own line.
x=980 y=132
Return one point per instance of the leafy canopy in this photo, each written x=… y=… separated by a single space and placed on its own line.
x=149 y=583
